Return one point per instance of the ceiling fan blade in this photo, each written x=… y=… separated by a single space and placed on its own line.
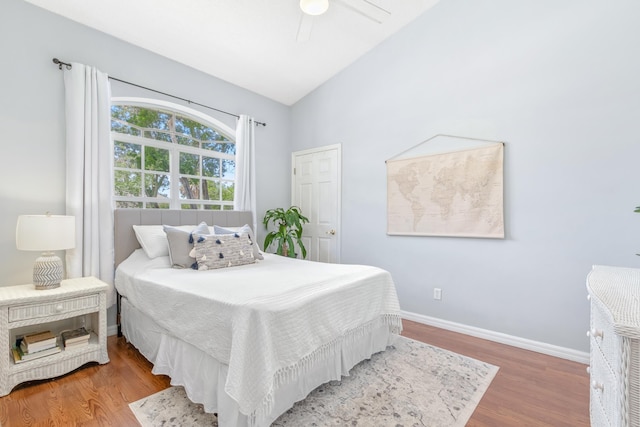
x=304 y=28
x=367 y=8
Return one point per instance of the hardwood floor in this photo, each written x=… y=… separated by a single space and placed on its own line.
x=530 y=389
x=94 y=395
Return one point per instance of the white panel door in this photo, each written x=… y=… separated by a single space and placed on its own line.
x=316 y=190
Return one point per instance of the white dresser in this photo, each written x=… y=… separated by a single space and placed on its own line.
x=614 y=336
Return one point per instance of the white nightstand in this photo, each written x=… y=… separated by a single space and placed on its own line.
x=23 y=310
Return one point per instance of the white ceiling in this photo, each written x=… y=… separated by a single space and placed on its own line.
x=250 y=43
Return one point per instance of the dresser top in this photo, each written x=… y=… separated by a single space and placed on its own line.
x=68 y=288
x=618 y=289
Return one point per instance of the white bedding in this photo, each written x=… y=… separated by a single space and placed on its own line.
x=270 y=321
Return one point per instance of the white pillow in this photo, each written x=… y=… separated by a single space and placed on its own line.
x=153 y=240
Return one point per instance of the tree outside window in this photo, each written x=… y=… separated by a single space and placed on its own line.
x=163 y=159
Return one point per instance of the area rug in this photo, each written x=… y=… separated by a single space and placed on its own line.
x=409 y=384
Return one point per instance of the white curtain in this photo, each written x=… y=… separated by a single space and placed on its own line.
x=90 y=173
x=245 y=185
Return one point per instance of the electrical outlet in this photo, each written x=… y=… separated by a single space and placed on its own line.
x=437 y=293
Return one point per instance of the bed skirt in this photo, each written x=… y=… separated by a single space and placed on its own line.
x=203 y=377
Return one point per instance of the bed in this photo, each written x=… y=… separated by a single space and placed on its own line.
x=247 y=341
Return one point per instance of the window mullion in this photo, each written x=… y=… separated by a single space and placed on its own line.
x=174 y=169
x=143 y=171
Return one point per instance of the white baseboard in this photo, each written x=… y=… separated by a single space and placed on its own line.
x=540 y=347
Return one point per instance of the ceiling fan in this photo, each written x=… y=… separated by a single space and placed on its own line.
x=311 y=9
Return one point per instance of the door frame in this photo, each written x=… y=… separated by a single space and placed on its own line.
x=338 y=225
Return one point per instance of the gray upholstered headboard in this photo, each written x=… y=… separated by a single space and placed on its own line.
x=125 y=238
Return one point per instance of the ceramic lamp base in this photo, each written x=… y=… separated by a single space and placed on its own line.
x=47 y=272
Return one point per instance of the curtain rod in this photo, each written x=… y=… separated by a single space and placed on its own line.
x=68 y=66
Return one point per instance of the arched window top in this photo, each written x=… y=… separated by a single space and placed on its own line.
x=170 y=106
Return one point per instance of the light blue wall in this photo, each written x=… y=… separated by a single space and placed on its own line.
x=559 y=83
x=32 y=164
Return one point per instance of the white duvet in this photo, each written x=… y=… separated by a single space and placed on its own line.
x=268 y=321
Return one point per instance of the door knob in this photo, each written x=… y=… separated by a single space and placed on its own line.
x=332 y=232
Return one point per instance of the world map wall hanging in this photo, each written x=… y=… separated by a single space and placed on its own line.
x=447 y=186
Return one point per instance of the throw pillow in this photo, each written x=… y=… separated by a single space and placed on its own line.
x=181 y=243
x=222 y=250
x=244 y=229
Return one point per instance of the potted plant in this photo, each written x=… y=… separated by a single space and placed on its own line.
x=288 y=229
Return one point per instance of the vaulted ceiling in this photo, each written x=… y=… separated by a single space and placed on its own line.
x=267 y=46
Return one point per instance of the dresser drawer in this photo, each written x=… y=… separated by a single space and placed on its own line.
x=53 y=308
x=598 y=416
x=603 y=337
x=605 y=388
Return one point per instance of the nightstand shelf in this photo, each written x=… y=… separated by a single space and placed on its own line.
x=77 y=302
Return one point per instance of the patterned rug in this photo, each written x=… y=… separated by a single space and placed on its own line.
x=409 y=384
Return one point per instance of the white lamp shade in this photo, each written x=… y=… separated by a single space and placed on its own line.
x=314 y=7
x=45 y=232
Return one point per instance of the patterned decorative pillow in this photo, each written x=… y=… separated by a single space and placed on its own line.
x=244 y=229
x=222 y=250
x=181 y=243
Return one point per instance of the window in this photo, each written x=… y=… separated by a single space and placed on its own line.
x=167 y=156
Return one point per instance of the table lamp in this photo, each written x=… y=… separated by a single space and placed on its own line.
x=46 y=233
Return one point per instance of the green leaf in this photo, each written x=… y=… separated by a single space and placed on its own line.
x=268 y=239
x=302 y=248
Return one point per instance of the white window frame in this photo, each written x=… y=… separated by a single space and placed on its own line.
x=174 y=197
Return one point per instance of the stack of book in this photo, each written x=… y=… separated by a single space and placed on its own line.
x=75 y=338
x=34 y=346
